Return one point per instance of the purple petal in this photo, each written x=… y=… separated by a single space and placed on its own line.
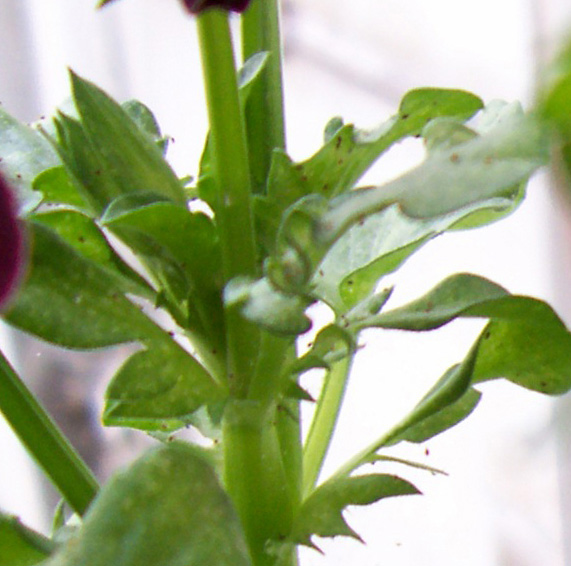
x=197 y=6
x=11 y=243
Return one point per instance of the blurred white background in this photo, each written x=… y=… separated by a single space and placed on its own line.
x=504 y=502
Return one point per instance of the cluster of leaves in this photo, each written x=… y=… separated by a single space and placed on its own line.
x=97 y=175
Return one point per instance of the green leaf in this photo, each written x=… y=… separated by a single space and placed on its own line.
x=159 y=389
x=440 y=420
x=181 y=251
x=261 y=303
x=524 y=342
x=58 y=187
x=145 y=119
x=321 y=513
x=20 y=545
x=71 y=301
x=331 y=344
x=349 y=152
x=24 y=154
x=85 y=237
x=167 y=509
x=85 y=167
x=128 y=156
x=474 y=174
x=452 y=297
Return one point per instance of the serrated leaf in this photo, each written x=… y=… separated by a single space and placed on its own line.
x=167 y=509
x=70 y=301
x=159 y=389
x=83 y=164
x=349 y=152
x=24 y=154
x=321 y=513
x=21 y=546
x=467 y=177
x=181 y=251
x=58 y=187
x=130 y=158
x=85 y=237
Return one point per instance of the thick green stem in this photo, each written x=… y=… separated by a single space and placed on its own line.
x=265 y=107
x=44 y=441
x=255 y=476
x=323 y=424
x=231 y=166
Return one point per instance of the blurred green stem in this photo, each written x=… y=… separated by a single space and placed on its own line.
x=44 y=441
x=265 y=107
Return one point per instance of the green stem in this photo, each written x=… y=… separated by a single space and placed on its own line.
x=323 y=424
x=268 y=374
x=231 y=166
x=44 y=441
x=265 y=106
x=255 y=476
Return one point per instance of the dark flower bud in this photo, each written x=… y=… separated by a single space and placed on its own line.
x=197 y=6
x=11 y=243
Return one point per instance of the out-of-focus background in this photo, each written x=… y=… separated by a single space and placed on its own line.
x=507 y=500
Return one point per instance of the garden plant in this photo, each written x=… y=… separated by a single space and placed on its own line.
x=101 y=242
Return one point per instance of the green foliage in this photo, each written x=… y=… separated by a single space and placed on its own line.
x=20 y=545
x=321 y=512
x=140 y=517
x=212 y=303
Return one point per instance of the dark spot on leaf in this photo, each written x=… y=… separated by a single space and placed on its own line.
x=304 y=178
x=405 y=116
x=81 y=239
x=487 y=334
x=426 y=452
x=350 y=282
x=454 y=158
x=429 y=306
x=338 y=142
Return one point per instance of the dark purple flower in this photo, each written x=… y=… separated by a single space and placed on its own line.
x=11 y=243
x=197 y=6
